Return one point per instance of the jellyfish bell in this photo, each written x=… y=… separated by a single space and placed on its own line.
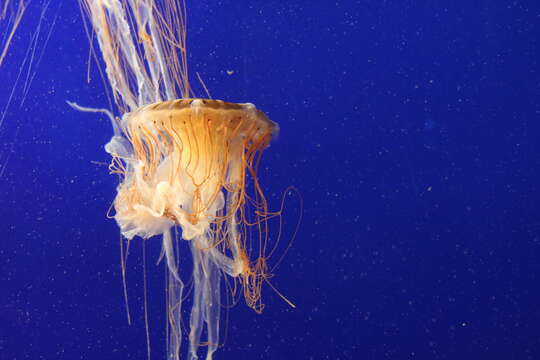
x=185 y=154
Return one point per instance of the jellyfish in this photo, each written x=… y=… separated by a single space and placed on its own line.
x=184 y=163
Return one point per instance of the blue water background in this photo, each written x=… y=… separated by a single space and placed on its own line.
x=410 y=129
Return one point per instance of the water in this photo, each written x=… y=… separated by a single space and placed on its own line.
x=409 y=129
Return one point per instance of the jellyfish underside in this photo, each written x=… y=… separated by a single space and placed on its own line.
x=185 y=162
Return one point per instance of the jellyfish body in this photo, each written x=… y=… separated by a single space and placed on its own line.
x=178 y=157
x=185 y=162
